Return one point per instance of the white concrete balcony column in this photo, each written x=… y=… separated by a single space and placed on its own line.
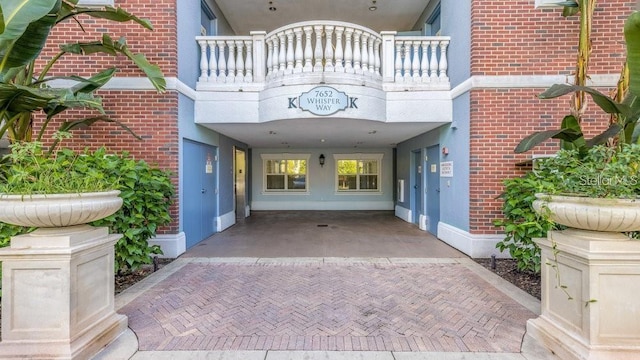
x=290 y=52
x=298 y=51
x=213 y=61
x=406 y=62
x=415 y=62
x=282 y=55
x=372 y=57
x=339 y=67
x=231 y=61
x=222 y=61
x=317 y=53
x=348 y=51
x=276 y=55
x=204 y=65
x=308 y=53
x=433 y=63
x=269 y=59
x=240 y=69
x=424 y=62
x=365 y=53
x=328 y=49
x=357 y=54
x=398 y=62
x=443 y=61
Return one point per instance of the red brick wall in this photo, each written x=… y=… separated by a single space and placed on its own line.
x=151 y=115
x=513 y=38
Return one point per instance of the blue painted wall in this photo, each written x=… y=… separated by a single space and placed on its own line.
x=321 y=180
x=189 y=14
x=456 y=22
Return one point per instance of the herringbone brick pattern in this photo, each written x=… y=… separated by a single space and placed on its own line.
x=408 y=307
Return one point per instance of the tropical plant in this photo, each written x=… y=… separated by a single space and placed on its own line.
x=25 y=84
x=624 y=107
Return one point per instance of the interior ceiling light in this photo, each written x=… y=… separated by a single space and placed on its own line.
x=373 y=6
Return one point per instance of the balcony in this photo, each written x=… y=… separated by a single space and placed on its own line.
x=323 y=52
x=252 y=87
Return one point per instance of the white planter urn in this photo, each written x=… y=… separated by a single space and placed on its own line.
x=594 y=214
x=590 y=302
x=58 y=210
x=57 y=281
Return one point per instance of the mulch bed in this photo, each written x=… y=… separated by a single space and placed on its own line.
x=508 y=270
x=124 y=281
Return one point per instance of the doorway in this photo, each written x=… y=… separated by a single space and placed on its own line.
x=199 y=191
x=433 y=189
x=418 y=189
x=240 y=181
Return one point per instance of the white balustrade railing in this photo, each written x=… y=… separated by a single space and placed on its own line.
x=323 y=47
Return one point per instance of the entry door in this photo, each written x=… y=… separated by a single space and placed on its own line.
x=433 y=188
x=418 y=189
x=199 y=190
x=240 y=183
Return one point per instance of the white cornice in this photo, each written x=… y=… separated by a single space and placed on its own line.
x=526 y=82
x=472 y=83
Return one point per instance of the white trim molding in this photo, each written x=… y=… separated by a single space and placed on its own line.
x=225 y=221
x=527 y=82
x=403 y=213
x=476 y=246
x=172 y=245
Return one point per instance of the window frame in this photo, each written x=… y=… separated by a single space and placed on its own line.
x=284 y=157
x=358 y=157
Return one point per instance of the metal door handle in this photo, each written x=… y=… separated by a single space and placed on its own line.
x=415 y=186
x=203 y=191
x=437 y=190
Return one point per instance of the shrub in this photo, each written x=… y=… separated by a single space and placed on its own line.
x=146 y=194
x=521 y=223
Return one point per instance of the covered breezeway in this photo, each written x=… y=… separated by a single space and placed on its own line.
x=359 y=234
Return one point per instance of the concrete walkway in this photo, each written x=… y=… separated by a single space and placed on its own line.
x=324 y=285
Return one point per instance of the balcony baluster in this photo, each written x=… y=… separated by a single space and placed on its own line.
x=297 y=50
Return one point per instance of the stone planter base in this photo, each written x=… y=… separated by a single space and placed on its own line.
x=599 y=266
x=58 y=294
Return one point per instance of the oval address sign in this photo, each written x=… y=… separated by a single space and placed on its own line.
x=323 y=100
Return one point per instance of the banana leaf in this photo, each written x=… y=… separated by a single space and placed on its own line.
x=27 y=24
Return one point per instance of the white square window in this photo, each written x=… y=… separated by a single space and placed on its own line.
x=285 y=172
x=358 y=172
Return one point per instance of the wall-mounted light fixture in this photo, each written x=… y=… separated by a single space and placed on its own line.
x=321 y=160
x=445 y=151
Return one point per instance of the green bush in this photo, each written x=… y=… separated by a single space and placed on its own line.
x=521 y=223
x=146 y=194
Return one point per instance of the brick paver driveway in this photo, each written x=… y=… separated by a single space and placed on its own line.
x=439 y=306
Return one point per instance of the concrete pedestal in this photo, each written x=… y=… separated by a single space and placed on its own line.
x=601 y=272
x=58 y=294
